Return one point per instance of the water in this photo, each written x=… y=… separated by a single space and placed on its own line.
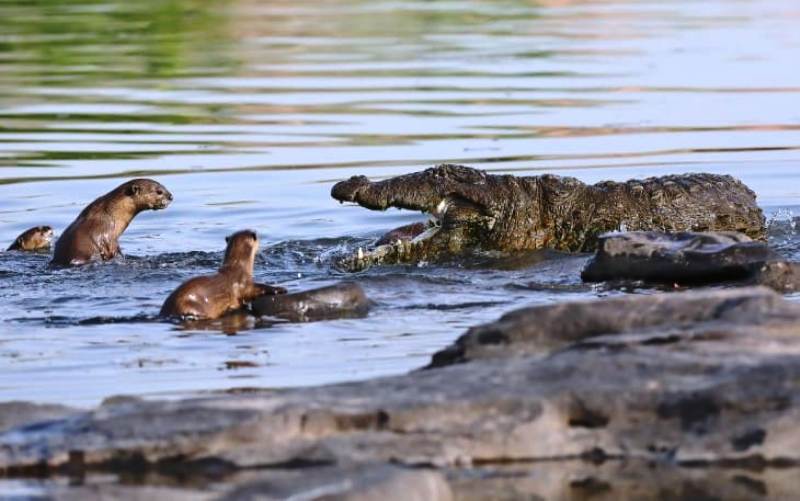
x=248 y=112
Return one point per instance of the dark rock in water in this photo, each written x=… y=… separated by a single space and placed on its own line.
x=344 y=300
x=674 y=396
x=688 y=258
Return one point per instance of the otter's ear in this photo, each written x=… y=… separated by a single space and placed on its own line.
x=133 y=189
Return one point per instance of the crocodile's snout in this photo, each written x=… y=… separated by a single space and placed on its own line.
x=346 y=191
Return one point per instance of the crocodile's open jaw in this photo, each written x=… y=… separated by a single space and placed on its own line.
x=457 y=197
x=445 y=234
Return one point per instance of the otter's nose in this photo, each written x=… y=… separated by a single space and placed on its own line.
x=169 y=196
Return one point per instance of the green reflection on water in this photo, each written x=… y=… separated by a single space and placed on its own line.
x=144 y=39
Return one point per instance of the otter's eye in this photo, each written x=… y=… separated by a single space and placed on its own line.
x=159 y=191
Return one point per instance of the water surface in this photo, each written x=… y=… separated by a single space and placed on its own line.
x=249 y=111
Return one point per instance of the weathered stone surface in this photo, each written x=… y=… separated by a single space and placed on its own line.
x=685 y=380
x=16 y=413
x=689 y=258
x=541 y=330
x=107 y=492
x=346 y=299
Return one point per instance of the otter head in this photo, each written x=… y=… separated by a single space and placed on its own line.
x=147 y=194
x=460 y=201
x=34 y=239
x=241 y=250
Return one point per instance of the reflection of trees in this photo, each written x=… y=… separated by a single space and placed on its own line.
x=142 y=38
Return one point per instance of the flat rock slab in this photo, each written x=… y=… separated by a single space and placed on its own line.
x=707 y=378
x=689 y=258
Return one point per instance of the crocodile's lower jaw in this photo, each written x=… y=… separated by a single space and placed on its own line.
x=400 y=251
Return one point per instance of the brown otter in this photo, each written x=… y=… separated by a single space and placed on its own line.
x=95 y=233
x=210 y=297
x=33 y=240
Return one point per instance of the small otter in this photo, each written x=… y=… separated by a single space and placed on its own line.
x=210 y=297
x=33 y=240
x=96 y=231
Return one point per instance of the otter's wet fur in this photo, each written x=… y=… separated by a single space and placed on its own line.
x=36 y=239
x=231 y=288
x=94 y=235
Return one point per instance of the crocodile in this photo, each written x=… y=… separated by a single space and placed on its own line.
x=474 y=211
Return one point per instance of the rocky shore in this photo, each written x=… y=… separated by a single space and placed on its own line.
x=686 y=395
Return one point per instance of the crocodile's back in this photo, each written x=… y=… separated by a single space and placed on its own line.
x=686 y=202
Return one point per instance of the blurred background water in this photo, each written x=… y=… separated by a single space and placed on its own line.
x=249 y=111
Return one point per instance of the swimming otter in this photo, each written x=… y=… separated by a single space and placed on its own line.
x=210 y=297
x=33 y=240
x=95 y=233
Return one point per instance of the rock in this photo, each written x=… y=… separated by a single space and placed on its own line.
x=542 y=330
x=15 y=413
x=355 y=483
x=370 y=483
x=689 y=258
x=341 y=300
x=705 y=381
x=103 y=491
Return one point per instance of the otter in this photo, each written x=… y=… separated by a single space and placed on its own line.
x=94 y=235
x=232 y=287
x=35 y=239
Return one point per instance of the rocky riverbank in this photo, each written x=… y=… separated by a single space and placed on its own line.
x=635 y=397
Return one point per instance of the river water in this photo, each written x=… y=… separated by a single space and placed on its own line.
x=249 y=111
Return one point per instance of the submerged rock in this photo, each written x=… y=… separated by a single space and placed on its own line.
x=705 y=379
x=344 y=300
x=689 y=258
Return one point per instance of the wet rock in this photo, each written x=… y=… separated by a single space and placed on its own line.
x=354 y=483
x=542 y=330
x=632 y=480
x=344 y=300
x=689 y=258
x=106 y=491
x=699 y=380
x=370 y=483
x=16 y=413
